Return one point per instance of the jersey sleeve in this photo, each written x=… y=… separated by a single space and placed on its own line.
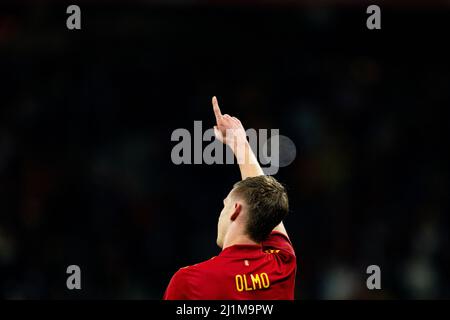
x=178 y=288
x=278 y=241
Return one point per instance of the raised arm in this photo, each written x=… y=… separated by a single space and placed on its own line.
x=229 y=130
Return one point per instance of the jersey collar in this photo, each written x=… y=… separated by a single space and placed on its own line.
x=242 y=250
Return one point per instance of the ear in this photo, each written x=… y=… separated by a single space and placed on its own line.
x=236 y=212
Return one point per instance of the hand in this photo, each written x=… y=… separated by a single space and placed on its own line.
x=228 y=129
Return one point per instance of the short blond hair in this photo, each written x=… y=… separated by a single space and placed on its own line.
x=267 y=203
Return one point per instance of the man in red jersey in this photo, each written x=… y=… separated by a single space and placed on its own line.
x=257 y=259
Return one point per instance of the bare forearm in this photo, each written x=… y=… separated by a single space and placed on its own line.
x=246 y=158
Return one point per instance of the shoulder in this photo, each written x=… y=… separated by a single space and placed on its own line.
x=186 y=281
x=196 y=269
x=279 y=242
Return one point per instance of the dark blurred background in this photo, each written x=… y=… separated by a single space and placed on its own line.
x=86 y=118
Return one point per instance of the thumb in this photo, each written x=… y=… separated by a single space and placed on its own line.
x=218 y=133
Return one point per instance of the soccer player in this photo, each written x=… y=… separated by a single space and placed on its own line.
x=257 y=260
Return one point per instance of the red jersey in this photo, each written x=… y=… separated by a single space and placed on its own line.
x=239 y=272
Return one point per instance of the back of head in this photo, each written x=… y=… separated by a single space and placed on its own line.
x=267 y=204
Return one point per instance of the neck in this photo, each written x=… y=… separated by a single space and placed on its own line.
x=238 y=239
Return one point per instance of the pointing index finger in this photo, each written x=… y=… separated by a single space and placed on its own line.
x=216 y=108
